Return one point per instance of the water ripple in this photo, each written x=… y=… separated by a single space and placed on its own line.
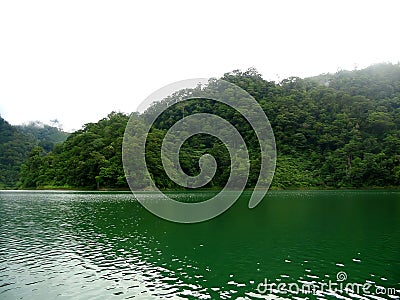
x=104 y=245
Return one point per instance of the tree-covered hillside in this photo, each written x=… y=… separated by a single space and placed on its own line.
x=14 y=148
x=46 y=136
x=90 y=157
x=333 y=130
x=16 y=142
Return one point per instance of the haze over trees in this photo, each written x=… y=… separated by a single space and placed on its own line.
x=16 y=142
x=333 y=130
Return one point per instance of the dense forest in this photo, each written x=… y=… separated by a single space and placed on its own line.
x=16 y=144
x=337 y=130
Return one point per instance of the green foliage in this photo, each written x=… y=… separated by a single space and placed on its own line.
x=46 y=136
x=90 y=158
x=16 y=142
x=333 y=130
x=294 y=172
x=14 y=149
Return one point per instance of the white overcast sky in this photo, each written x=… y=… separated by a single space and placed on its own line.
x=79 y=60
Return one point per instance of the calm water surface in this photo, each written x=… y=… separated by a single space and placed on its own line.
x=77 y=245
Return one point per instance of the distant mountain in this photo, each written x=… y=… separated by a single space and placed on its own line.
x=16 y=142
x=380 y=81
x=45 y=136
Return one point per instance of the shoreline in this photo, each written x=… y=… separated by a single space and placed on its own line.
x=82 y=189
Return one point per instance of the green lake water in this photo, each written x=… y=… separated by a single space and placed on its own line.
x=83 y=245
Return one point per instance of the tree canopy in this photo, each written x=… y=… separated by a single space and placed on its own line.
x=16 y=142
x=333 y=130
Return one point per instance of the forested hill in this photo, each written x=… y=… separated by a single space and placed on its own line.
x=332 y=130
x=44 y=135
x=14 y=149
x=376 y=82
x=17 y=142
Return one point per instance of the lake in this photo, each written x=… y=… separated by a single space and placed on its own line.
x=102 y=245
